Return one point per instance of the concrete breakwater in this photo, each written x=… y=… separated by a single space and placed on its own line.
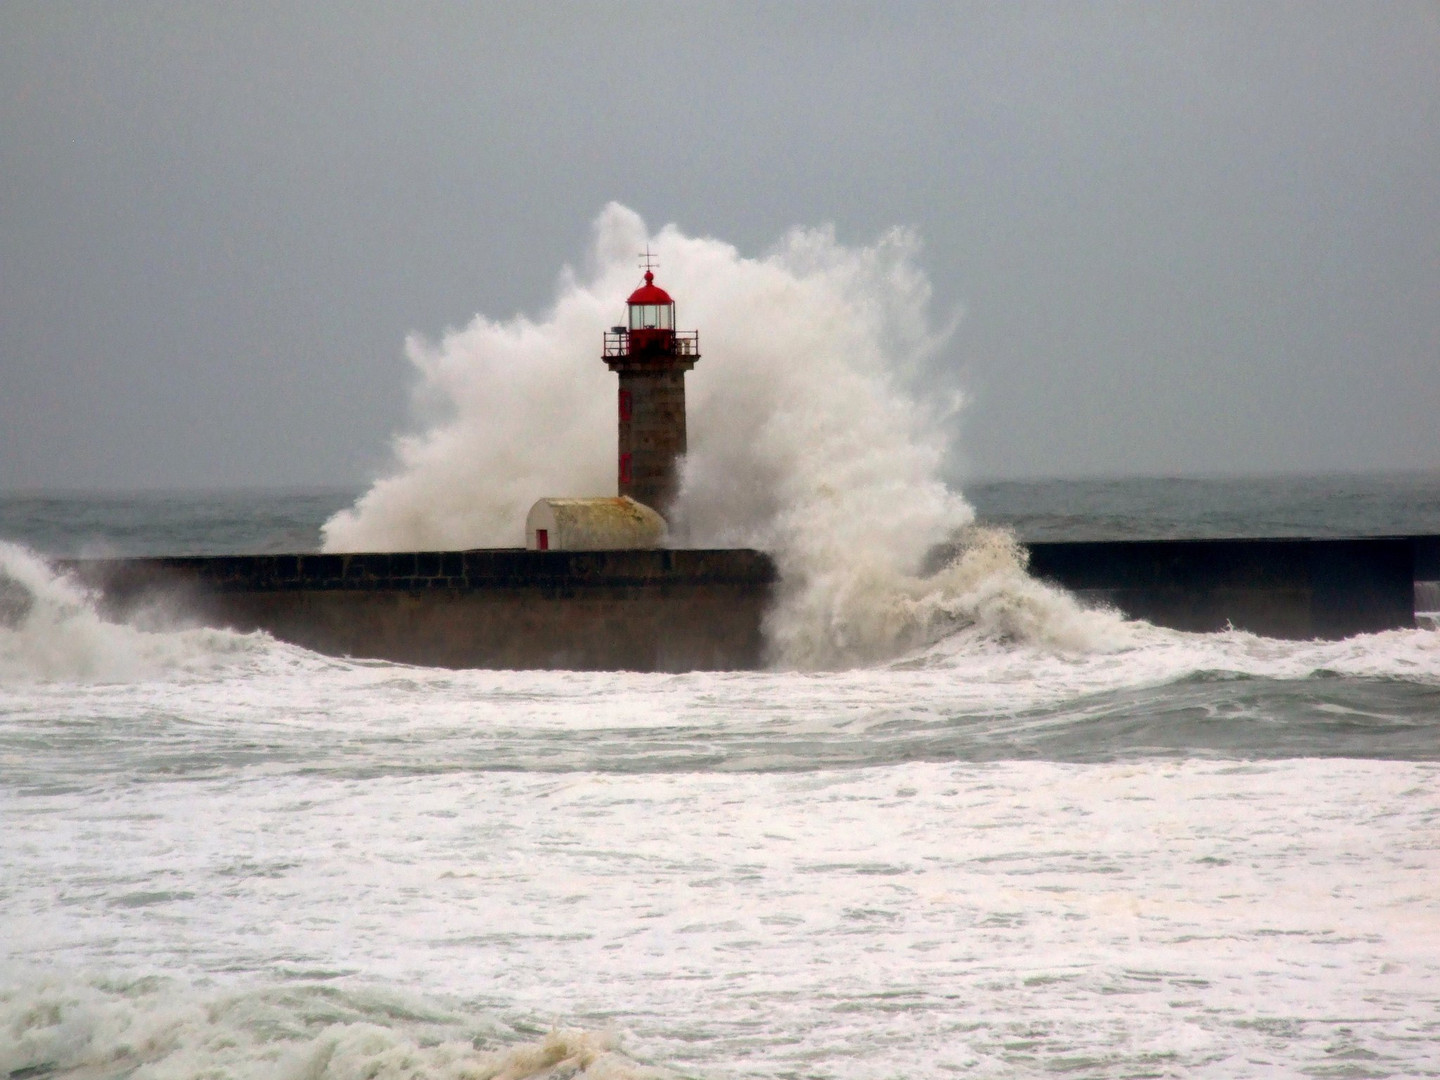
x=1287 y=588
x=658 y=610
x=678 y=610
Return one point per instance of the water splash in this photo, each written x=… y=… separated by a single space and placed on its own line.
x=52 y=628
x=839 y=613
x=809 y=439
x=152 y=1027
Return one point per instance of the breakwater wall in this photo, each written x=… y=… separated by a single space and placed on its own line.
x=692 y=610
x=1288 y=588
x=592 y=610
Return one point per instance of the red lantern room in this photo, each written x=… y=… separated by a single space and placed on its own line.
x=651 y=358
x=652 y=314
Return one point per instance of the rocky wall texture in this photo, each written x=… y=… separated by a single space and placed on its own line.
x=652 y=434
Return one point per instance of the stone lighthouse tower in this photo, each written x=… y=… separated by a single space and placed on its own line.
x=651 y=358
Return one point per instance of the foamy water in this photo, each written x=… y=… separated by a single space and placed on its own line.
x=1206 y=854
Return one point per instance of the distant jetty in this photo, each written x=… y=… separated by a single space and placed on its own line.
x=682 y=610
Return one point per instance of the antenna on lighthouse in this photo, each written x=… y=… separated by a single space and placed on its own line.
x=648 y=262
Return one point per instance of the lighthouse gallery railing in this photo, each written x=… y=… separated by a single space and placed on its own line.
x=687 y=343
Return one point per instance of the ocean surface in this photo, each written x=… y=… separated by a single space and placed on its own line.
x=1130 y=853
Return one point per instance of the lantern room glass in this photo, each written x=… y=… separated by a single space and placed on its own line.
x=652 y=316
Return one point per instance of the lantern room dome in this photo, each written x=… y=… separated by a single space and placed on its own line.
x=649 y=293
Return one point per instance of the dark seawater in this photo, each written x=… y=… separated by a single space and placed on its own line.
x=1143 y=854
x=1159 y=509
x=238 y=522
x=169 y=522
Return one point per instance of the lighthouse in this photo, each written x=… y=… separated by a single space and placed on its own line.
x=651 y=358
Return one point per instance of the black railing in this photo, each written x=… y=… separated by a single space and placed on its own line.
x=617 y=343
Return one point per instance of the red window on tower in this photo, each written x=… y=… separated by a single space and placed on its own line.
x=624 y=468
x=624 y=406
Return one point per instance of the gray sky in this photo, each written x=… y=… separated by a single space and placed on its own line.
x=1186 y=238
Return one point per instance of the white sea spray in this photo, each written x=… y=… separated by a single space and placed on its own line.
x=810 y=438
x=52 y=627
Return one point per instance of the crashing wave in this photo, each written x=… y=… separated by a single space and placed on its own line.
x=52 y=628
x=816 y=434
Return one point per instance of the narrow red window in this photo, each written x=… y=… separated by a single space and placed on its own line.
x=624 y=406
x=542 y=539
x=624 y=468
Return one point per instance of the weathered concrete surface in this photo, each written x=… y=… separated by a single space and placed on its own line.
x=607 y=523
x=1289 y=588
x=622 y=610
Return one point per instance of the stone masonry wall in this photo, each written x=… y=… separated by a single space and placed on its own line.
x=652 y=433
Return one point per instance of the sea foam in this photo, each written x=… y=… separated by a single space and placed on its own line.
x=161 y=1030
x=51 y=627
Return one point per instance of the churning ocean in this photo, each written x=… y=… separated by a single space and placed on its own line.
x=1143 y=853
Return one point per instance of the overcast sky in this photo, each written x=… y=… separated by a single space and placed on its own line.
x=1185 y=238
